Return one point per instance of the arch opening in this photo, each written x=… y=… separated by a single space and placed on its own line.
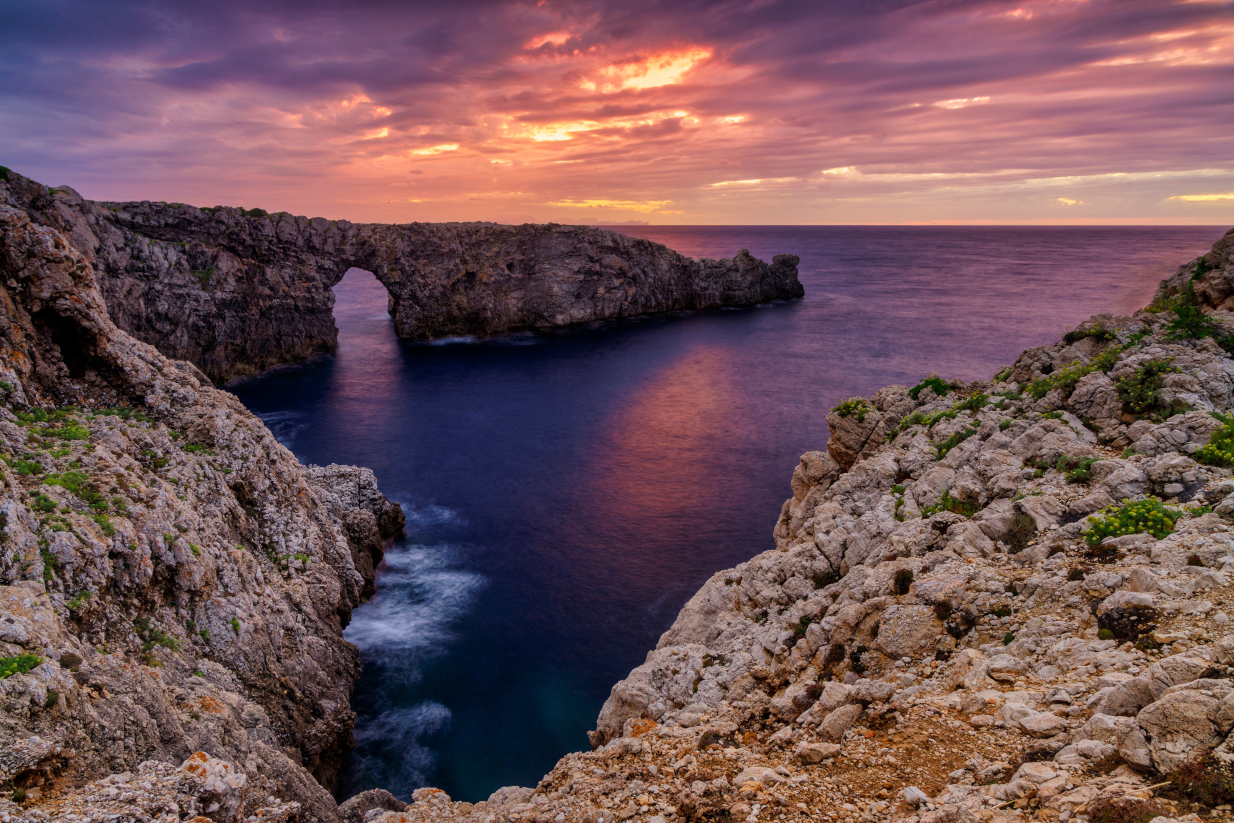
x=363 y=312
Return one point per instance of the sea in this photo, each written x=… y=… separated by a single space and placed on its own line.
x=566 y=492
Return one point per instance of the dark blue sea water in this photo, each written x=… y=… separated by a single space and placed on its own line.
x=566 y=493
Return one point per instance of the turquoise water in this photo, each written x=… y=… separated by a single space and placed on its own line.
x=567 y=492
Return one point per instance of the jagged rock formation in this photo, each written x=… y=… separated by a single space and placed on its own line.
x=995 y=601
x=236 y=292
x=173 y=584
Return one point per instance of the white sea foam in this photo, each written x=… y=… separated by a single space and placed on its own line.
x=284 y=425
x=394 y=756
x=423 y=517
x=421 y=592
x=452 y=341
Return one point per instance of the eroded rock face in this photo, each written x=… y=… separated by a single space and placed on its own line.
x=174 y=581
x=235 y=293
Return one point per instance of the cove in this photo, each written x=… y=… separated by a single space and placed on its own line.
x=567 y=492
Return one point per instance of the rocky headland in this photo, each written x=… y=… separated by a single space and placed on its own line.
x=236 y=291
x=1004 y=600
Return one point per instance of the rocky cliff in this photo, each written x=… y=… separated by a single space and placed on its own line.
x=1004 y=600
x=173 y=583
x=992 y=601
x=235 y=292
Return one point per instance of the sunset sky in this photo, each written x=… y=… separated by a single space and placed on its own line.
x=741 y=112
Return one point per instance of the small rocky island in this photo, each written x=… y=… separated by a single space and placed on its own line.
x=1004 y=600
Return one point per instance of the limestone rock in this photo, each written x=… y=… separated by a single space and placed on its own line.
x=837 y=722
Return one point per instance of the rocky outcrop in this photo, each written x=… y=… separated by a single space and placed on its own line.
x=235 y=292
x=992 y=601
x=174 y=585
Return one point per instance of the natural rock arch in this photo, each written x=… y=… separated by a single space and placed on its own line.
x=235 y=292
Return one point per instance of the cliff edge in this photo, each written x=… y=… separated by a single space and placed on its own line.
x=174 y=584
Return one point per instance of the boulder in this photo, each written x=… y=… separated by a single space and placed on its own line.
x=908 y=631
x=810 y=753
x=1006 y=669
x=836 y=723
x=760 y=774
x=1043 y=724
x=356 y=809
x=1125 y=699
x=1180 y=727
x=969 y=671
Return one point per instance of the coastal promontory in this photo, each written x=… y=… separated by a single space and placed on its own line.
x=236 y=291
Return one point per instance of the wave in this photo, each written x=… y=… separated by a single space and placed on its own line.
x=422 y=592
x=284 y=425
x=394 y=754
x=454 y=341
x=425 y=517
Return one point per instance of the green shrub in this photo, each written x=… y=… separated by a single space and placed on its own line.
x=934 y=384
x=1077 y=469
x=19 y=664
x=1008 y=638
x=1070 y=375
x=897 y=489
x=1003 y=373
x=1219 y=451
x=1020 y=530
x=1099 y=333
x=1004 y=424
x=203 y=276
x=4 y=176
x=1204 y=781
x=954 y=440
x=105 y=524
x=1190 y=322
x=1147 y=515
x=1141 y=393
x=78 y=484
x=824 y=579
x=1105 y=634
x=804 y=623
x=235 y=625
x=950 y=504
x=974 y=403
x=197 y=448
x=75 y=603
x=854 y=407
x=125 y=413
x=152 y=636
x=253 y=212
x=25 y=468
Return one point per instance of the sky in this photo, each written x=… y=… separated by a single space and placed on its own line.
x=683 y=112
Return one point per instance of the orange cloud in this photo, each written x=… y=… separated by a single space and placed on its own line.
x=663 y=69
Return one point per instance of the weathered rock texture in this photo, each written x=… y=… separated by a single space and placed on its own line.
x=172 y=581
x=234 y=292
x=934 y=637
